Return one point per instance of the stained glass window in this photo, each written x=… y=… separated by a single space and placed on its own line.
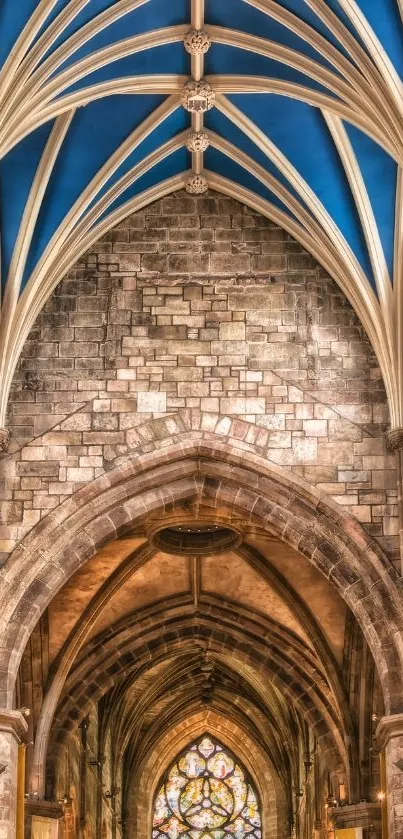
x=206 y=795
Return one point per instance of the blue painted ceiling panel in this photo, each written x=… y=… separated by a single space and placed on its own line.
x=95 y=133
x=221 y=125
x=222 y=59
x=17 y=171
x=311 y=150
x=170 y=58
x=175 y=164
x=223 y=165
x=238 y=14
x=380 y=174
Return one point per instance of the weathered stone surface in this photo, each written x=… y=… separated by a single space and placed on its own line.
x=257 y=332
x=151 y=402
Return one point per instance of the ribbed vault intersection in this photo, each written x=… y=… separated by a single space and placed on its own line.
x=202 y=542
x=219 y=95
x=126 y=684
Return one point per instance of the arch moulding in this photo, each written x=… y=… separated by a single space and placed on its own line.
x=192 y=456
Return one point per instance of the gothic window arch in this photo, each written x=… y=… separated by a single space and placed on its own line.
x=206 y=794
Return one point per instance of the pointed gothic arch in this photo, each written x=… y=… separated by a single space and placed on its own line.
x=208 y=792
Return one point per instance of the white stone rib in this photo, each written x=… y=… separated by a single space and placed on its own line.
x=364 y=209
x=376 y=50
x=24 y=85
x=397 y=411
x=163 y=85
x=36 y=292
x=27 y=228
x=96 y=60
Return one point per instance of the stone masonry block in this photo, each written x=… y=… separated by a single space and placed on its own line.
x=151 y=402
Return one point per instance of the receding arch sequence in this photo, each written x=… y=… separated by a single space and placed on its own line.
x=322 y=532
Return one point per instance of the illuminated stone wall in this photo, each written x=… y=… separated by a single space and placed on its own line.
x=199 y=306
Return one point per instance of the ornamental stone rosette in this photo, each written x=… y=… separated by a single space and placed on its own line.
x=198 y=97
x=196 y=185
x=197 y=141
x=197 y=42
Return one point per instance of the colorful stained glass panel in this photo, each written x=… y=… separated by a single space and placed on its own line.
x=206 y=795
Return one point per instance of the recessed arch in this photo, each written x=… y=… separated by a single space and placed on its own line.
x=144 y=785
x=324 y=533
x=231 y=634
x=207 y=788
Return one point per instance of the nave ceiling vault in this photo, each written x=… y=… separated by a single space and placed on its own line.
x=94 y=126
x=295 y=109
x=155 y=644
x=205 y=650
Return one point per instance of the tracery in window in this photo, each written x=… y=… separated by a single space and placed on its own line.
x=206 y=795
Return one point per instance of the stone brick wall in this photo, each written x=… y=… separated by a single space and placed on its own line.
x=198 y=305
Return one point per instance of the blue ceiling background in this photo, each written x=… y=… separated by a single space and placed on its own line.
x=298 y=130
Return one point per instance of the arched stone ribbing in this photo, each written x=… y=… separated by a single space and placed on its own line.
x=209 y=468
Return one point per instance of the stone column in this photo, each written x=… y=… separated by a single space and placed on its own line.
x=389 y=735
x=13 y=732
x=395 y=444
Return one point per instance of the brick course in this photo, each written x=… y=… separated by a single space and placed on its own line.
x=198 y=304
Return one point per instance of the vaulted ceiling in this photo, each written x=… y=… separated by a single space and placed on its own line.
x=161 y=636
x=305 y=125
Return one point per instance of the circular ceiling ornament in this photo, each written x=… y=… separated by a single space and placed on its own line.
x=197 y=141
x=197 y=42
x=196 y=539
x=198 y=97
x=196 y=185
